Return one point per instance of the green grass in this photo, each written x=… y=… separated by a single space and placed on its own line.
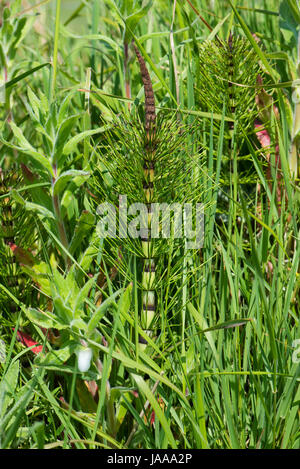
x=222 y=369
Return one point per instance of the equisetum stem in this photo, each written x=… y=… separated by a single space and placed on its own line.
x=233 y=147
x=230 y=89
x=148 y=274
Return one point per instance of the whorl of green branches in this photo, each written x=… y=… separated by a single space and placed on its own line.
x=228 y=74
x=15 y=231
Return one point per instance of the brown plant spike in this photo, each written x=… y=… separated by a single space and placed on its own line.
x=148 y=276
x=150 y=116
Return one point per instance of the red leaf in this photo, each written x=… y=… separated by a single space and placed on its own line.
x=263 y=136
x=23 y=257
x=27 y=340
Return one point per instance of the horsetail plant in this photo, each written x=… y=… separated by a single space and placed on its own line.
x=132 y=338
x=152 y=164
x=13 y=230
x=148 y=276
x=13 y=234
x=227 y=77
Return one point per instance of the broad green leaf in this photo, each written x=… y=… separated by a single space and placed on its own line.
x=42 y=211
x=64 y=108
x=105 y=109
x=78 y=323
x=23 y=26
x=68 y=202
x=74 y=175
x=132 y=20
x=295 y=9
x=62 y=136
x=34 y=102
x=83 y=228
x=83 y=296
x=63 y=312
x=101 y=310
x=30 y=206
x=287 y=20
x=16 y=413
x=17 y=197
x=70 y=146
x=65 y=287
x=125 y=300
x=28 y=149
x=44 y=319
x=94 y=37
x=59 y=356
x=15 y=7
x=8 y=385
x=11 y=376
x=40 y=273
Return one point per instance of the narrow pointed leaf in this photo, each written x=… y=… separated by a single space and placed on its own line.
x=74 y=175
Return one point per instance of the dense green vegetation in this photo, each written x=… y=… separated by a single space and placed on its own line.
x=145 y=343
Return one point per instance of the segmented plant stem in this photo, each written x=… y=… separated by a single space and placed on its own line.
x=6 y=208
x=230 y=85
x=232 y=108
x=148 y=275
x=12 y=277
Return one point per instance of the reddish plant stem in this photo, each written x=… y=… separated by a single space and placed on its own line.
x=126 y=74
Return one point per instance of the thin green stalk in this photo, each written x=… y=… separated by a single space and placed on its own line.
x=126 y=74
x=95 y=26
x=55 y=49
x=294 y=151
x=172 y=45
x=87 y=118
